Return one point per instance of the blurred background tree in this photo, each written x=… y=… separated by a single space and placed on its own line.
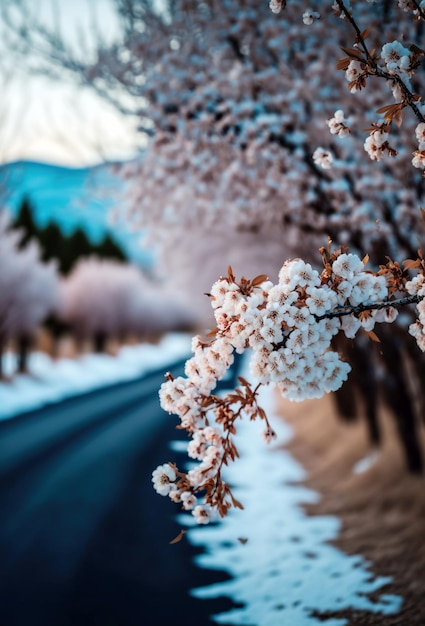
x=232 y=101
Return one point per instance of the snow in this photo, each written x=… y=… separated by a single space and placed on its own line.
x=52 y=380
x=287 y=567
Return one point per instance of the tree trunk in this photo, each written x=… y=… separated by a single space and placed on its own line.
x=2 y=346
x=399 y=401
x=99 y=342
x=24 y=346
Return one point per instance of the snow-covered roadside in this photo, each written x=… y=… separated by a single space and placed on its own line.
x=52 y=380
x=281 y=563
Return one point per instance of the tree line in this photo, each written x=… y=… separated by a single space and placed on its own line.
x=54 y=244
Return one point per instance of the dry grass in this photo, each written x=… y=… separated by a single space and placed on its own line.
x=382 y=510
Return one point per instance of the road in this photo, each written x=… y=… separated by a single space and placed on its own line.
x=84 y=539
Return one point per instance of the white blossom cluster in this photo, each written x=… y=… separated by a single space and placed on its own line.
x=376 y=144
x=353 y=72
x=416 y=286
x=309 y=16
x=396 y=57
x=419 y=154
x=276 y=6
x=288 y=328
x=291 y=347
x=338 y=124
x=408 y=5
x=323 y=157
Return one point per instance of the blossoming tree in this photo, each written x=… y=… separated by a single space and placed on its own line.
x=257 y=122
x=101 y=299
x=28 y=290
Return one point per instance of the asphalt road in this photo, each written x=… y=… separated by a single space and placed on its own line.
x=84 y=539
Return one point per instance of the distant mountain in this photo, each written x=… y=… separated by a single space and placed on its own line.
x=72 y=198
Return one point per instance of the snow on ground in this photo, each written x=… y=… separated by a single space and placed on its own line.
x=286 y=568
x=52 y=380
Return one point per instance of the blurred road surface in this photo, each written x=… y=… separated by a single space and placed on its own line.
x=84 y=539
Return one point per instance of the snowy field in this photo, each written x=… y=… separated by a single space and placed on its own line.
x=52 y=380
x=280 y=560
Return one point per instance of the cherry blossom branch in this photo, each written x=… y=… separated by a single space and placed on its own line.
x=369 y=306
x=410 y=98
x=419 y=10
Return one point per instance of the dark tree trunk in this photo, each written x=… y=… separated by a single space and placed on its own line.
x=100 y=342
x=400 y=402
x=2 y=346
x=366 y=379
x=361 y=382
x=24 y=346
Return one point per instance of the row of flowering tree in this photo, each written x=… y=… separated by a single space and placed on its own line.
x=104 y=299
x=99 y=300
x=28 y=291
x=273 y=130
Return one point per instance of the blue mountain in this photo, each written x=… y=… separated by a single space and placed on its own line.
x=72 y=198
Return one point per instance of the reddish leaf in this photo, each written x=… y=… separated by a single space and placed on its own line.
x=259 y=279
x=179 y=537
x=372 y=336
x=410 y=264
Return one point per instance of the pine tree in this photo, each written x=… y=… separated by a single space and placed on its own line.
x=52 y=242
x=109 y=249
x=25 y=222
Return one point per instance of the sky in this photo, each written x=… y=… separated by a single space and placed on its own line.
x=59 y=122
x=285 y=567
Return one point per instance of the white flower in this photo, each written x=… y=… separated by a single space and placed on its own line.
x=188 y=500
x=396 y=57
x=271 y=331
x=196 y=448
x=379 y=288
x=336 y=371
x=320 y=300
x=350 y=325
x=352 y=73
x=362 y=288
x=309 y=16
x=298 y=273
x=323 y=157
x=343 y=291
x=387 y=314
x=302 y=317
x=416 y=285
x=347 y=266
x=219 y=290
x=172 y=392
x=328 y=328
x=297 y=340
x=202 y=513
x=420 y=135
x=417 y=331
x=163 y=478
x=338 y=124
x=418 y=160
x=278 y=296
x=276 y=6
x=368 y=322
x=268 y=435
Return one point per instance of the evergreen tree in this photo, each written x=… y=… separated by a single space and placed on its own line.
x=75 y=247
x=109 y=249
x=25 y=222
x=52 y=242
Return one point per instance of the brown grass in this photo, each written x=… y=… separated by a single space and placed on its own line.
x=382 y=510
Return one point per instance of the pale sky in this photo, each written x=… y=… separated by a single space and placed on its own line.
x=58 y=122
